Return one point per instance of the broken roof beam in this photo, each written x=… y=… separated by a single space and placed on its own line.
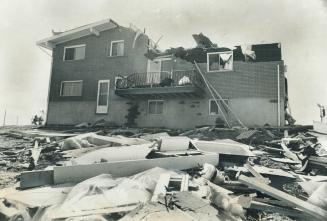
x=308 y=208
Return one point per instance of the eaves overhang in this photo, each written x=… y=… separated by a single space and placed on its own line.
x=90 y=29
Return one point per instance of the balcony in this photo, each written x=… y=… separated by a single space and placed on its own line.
x=161 y=84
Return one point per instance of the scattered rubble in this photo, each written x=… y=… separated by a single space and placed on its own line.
x=106 y=173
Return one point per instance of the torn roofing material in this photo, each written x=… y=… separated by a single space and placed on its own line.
x=249 y=52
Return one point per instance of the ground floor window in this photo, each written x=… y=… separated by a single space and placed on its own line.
x=155 y=106
x=214 y=109
x=71 y=88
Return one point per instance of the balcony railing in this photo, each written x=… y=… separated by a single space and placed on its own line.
x=160 y=79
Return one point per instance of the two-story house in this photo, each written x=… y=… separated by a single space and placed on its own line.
x=106 y=71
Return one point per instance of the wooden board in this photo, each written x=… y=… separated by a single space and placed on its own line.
x=79 y=173
x=308 y=208
x=160 y=188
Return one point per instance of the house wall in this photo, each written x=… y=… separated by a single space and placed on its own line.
x=251 y=87
x=190 y=113
x=97 y=65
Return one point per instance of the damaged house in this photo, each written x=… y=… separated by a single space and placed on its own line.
x=106 y=71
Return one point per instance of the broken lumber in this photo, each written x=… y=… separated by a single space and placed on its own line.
x=292 y=212
x=308 y=208
x=256 y=174
x=160 y=189
x=78 y=173
x=36 y=178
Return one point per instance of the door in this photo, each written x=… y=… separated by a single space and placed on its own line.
x=153 y=72
x=103 y=97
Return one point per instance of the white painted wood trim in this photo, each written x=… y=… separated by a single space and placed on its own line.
x=73 y=46
x=117 y=41
x=61 y=83
x=102 y=109
x=221 y=52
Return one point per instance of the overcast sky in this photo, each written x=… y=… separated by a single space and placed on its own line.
x=300 y=25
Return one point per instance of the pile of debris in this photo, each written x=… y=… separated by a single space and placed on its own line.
x=207 y=173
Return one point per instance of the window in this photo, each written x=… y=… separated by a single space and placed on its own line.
x=155 y=106
x=76 y=52
x=213 y=108
x=117 y=48
x=71 y=88
x=220 y=61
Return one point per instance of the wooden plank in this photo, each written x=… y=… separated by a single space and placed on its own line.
x=256 y=174
x=78 y=173
x=295 y=213
x=219 y=188
x=308 y=208
x=161 y=186
x=69 y=214
x=185 y=182
x=289 y=153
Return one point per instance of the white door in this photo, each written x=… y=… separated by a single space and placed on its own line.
x=153 y=71
x=103 y=97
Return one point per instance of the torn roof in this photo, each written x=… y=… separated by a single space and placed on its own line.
x=248 y=52
x=85 y=30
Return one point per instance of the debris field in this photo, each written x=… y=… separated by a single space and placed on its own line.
x=209 y=173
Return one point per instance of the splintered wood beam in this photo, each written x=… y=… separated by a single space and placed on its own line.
x=308 y=208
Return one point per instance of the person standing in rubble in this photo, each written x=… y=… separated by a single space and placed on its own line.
x=322 y=112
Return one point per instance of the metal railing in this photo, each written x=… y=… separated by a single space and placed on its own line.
x=160 y=79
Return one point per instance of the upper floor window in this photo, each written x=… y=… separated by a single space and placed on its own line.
x=117 y=48
x=220 y=61
x=155 y=106
x=71 y=88
x=75 y=52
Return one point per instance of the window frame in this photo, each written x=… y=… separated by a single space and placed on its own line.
x=102 y=109
x=220 y=52
x=73 y=46
x=74 y=81
x=219 y=112
x=117 y=41
x=156 y=107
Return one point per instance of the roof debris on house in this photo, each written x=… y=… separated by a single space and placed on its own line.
x=209 y=173
x=253 y=53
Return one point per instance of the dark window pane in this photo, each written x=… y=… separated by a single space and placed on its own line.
x=159 y=107
x=103 y=88
x=213 y=107
x=103 y=99
x=114 y=49
x=152 y=107
x=69 y=54
x=213 y=62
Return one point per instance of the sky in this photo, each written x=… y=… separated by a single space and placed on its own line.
x=300 y=26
